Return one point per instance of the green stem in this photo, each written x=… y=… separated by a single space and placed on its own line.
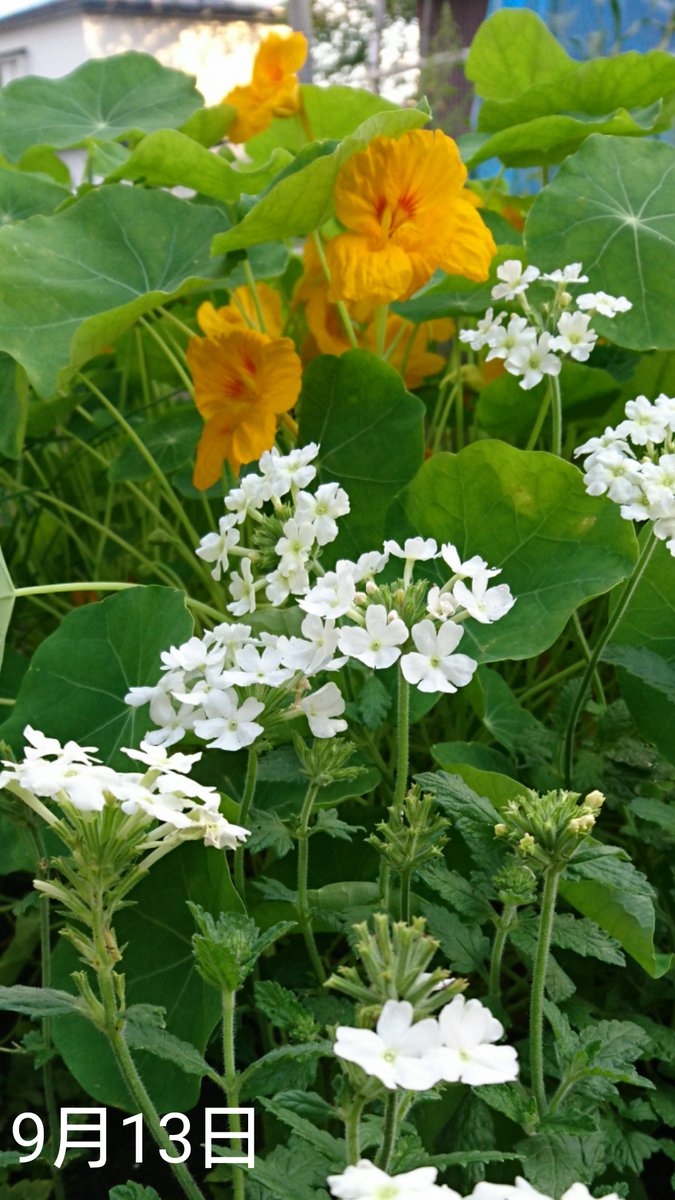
x=177 y=366
x=304 y=916
x=402 y=740
x=256 y=298
x=556 y=437
x=383 y=1156
x=581 y=638
x=341 y=307
x=92 y=585
x=455 y=392
x=580 y=698
x=552 y=679
x=541 y=417
x=405 y=896
x=232 y=1086
x=505 y=924
x=538 y=987
x=48 y=1067
x=244 y=807
x=353 y=1131
x=166 y=312
x=381 y=312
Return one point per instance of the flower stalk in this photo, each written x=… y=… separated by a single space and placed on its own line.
x=389 y=1131
x=304 y=914
x=548 y=902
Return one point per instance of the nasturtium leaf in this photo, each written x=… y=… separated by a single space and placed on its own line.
x=612 y=207
x=156 y=931
x=79 y=676
x=649 y=624
x=370 y=430
x=455 y=296
x=171 y=439
x=208 y=126
x=25 y=195
x=40 y=160
x=528 y=513
x=507 y=411
x=330 y=112
x=512 y=51
x=619 y=899
x=103 y=100
x=304 y=201
x=14 y=409
x=6 y=602
x=168 y=158
x=73 y=282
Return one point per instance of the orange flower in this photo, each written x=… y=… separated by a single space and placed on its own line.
x=242 y=381
x=408 y=212
x=273 y=90
x=214 y=321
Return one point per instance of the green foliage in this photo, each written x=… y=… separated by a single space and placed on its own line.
x=512 y=52
x=227 y=950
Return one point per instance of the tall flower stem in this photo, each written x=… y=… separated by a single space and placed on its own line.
x=591 y=667
x=341 y=307
x=353 y=1131
x=548 y=900
x=168 y=352
x=231 y=1084
x=389 y=1130
x=556 y=413
x=541 y=417
x=304 y=915
x=405 y=896
x=381 y=312
x=46 y=956
x=256 y=298
x=505 y=924
x=249 y=791
x=402 y=740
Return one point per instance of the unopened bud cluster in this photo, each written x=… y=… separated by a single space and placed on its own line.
x=414 y=833
x=547 y=829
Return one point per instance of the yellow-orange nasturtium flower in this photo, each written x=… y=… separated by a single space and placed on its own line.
x=407 y=212
x=273 y=91
x=214 y=321
x=243 y=380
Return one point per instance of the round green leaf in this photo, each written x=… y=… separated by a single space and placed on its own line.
x=24 y=195
x=171 y=439
x=511 y=52
x=159 y=970
x=528 y=513
x=104 y=99
x=612 y=207
x=79 y=676
x=71 y=283
x=371 y=434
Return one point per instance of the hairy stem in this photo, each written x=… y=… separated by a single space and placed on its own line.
x=48 y=1067
x=402 y=740
x=353 y=1131
x=383 y=1156
x=244 y=808
x=232 y=1086
x=304 y=916
x=580 y=698
x=538 y=988
x=505 y=924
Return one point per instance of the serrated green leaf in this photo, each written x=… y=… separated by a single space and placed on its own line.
x=40 y=1002
x=132 y=1191
x=552 y=1162
x=465 y=946
x=144 y=1036
x=459 y=892
x=586 y=938
x=374 y=703
x=643 y=664
x=268 y=831
x=281 y=1006
x=333 y=1148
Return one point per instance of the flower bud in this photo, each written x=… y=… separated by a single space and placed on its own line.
x=594 y=800
x=371 y=587
x=501 y=830
x=393 y=616
x=360 y=598
x=565 y=300
x=400 y=596
x=526 y=843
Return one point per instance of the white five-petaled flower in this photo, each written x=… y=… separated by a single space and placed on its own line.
x=365 y=1181
x=646 y=422
x=574 y=336
x=569 y=274
x=251 y=494
x=522 y=1190
x=483 y=604
x=533 y=361
x=468 y=1054
x=322 y=509
x=399 y=1053
x=323 y=710
x=607 y=306
x=289 y=472
x=314 y=651
x=378 y=644
x=333 y=595
x=253 y=667
x=172 y=725
x=295 y=546
x=440 y=605
x=616 y=474
x=242 y=589
x=193 y=655
x=471 y=568
x=478 y=337
x=416 y=549
x=214 y=547
x=515 y=279
x=368 y=564
x=434 y=667
x=658 y=481
x=595 y=445
x=156 y=758
x=666 y=405
x=503 y=340
x=231 y=726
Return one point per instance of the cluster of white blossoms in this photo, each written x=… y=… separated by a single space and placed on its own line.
x=365 y=1181
x=70 y=775
x=301 y=524
x=232 y=685
x=534 y=345
x=456 y=1047
x=638 y=476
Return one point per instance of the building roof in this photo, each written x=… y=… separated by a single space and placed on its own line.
x=221 y=10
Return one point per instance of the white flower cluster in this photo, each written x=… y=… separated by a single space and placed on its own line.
x=458 y=1046
x=163 y=792
x=528 y=347
x=365 y=1181
x=640 y=477
x=309 y=523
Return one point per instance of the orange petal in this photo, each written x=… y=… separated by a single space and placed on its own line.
x=282 y=375
x=279 y=55
x=364 y=273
